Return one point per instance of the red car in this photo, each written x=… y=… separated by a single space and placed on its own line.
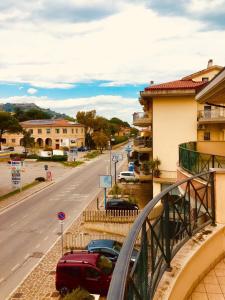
x=91 y=271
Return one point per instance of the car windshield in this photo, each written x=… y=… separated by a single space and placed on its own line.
x=105 y=265
x=117 y=246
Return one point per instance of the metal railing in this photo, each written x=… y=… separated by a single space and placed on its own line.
x=143 y=142
x=182 y=215
x=216 y=113
x=196 y=162
x=140 y=115
x=115 y=216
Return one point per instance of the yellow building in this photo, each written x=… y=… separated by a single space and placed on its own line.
x=53 y=134
x=171 y=112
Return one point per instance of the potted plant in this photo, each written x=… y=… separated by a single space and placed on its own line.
x=155 y=167
x=146 y=167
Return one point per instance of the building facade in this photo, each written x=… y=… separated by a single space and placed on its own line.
x=171 y=115
x=54 y=134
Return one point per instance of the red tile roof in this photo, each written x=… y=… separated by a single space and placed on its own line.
x=177 y=85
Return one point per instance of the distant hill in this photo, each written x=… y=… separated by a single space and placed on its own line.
x=10 y=107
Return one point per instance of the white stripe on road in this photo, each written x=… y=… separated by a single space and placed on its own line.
x=15 y=267
x=38 y=245
x=26 y=256
x=24 y=216
x=1 y=280
x=13 y=224
x=45 y=239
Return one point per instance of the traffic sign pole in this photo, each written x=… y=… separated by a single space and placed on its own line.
x=61 y=217
x=62 y=235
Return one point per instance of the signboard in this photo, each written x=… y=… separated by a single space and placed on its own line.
x=105 y=181
x=117 y=157
x=128 y=148
x=64 y=142
x=16 y=177
x=16 y=165
x=61 y=215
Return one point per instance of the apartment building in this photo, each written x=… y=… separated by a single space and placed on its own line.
x=53 y=134
x=172 y=116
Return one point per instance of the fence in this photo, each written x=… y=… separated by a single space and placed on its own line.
x=111 y=216
x=187 y=207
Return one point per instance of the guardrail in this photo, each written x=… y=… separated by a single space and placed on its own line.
x=196 y=162
x=187 y=207
x=142 y=142
x=212 y=114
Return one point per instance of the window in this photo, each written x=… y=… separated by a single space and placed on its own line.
x=72 y=130
x=39 y=130
x=206 y=136
x=13 y=140
x=57 y=130
x=31 y=131
x=92 y=273
x=81 y=130
x=64 y=130
x=48 y=130
x=72 y=271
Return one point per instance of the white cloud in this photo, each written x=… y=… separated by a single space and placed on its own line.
x=135 y=45
x=122 y=107
x=32 y=91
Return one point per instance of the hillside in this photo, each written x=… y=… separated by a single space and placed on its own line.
x=10 y=107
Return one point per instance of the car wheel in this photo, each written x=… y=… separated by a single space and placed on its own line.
x=122 y=180
x=63 y=291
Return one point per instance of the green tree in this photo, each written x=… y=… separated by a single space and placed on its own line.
x=31 y=114
x=9 y=124
x=27 y=141
x=100 y=139
x=86 y=118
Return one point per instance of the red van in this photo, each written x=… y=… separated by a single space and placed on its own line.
x=91 y=271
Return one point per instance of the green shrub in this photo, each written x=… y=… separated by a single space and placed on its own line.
x=115 y=190
x=59 y=158
x=119 y=139
x=73 y=163
x=79 y=294
x=33 y=156
x=92 y=154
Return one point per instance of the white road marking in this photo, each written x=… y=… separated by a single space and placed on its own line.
x=41 y=231
x=24 y=216
x=38 y=245
x=13 y=224
x=45 y=239
x=15 y=267
x=26 y=256
x=1 y=280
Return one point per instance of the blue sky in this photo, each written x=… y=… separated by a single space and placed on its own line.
x=95 y=54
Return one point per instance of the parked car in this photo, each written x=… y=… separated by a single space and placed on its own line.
x=82 y=149
x=9 y=149
x=91 y=271
x=120 y=204
x=127 y=176
x=109 y=248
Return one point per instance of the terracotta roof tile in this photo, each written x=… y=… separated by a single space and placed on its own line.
x=49 y=123
x=176 y=85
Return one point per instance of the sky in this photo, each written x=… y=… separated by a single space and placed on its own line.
x=95 y=54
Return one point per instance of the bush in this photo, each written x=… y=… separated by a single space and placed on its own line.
x=115 y=191
x=40 y=179
x=73 y=163
x=119 y=139
x=79 y=294
x=53 y=158
x=92 y=154
x=33 y=156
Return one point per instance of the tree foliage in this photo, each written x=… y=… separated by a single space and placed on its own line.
x=27 y=140
x=31 y=114
x=8 y=123
x=100 y=139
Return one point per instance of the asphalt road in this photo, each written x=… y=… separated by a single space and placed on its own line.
x=30 y=228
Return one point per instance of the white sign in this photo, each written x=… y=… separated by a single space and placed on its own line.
x=16 y=177
x=105 y=181
x=117 y=157
x=16 y=165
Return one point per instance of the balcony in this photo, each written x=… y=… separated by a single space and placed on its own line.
x=142 y=119
x=195 y=162
x=216 y=115
x=142 y=145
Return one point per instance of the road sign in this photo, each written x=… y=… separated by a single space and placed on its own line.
x=16 y=165
x=105 y=181
x=117 y=157
x=61 y=215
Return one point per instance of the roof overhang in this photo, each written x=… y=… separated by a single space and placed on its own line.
x=214 y=92
x=169 y=92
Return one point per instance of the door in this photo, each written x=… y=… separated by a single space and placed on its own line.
x=92 y=280
x=207 y=111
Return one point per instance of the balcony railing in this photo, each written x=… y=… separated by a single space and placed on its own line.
x=185 y=208
x=212 y=115
x=195 y=162
x=142 y=142
x=141 y=119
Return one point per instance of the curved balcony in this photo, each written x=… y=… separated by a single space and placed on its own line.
x=142 y=119
x=195 y=162
x=177 y=221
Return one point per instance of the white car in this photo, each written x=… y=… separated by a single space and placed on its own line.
x=126 y=176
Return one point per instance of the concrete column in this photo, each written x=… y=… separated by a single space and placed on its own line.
x=220 y=195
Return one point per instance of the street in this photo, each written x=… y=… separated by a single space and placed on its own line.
x=30 y=228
